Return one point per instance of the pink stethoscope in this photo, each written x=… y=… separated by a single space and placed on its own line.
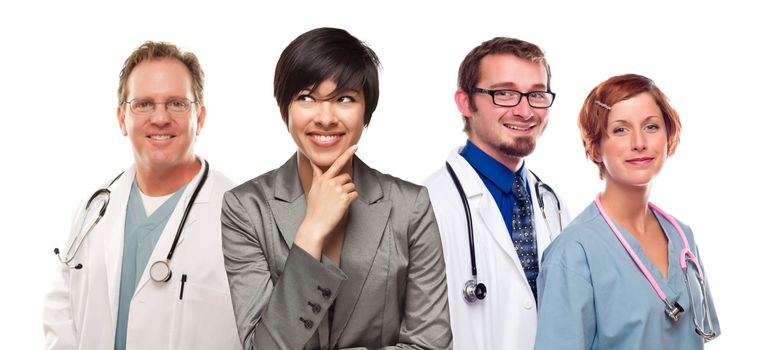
x=675 y=310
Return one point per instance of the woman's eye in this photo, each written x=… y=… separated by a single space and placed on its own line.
x=652 y=127
x=304 y=97
x=345 y=99
x=619 y=130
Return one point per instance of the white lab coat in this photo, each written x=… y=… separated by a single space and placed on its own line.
x=506 y=318
x=81 y=308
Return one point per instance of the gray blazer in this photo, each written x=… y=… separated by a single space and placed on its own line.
x=390 y=291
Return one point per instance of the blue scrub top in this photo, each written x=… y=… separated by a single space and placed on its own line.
x=141 y=236
x=593 y=296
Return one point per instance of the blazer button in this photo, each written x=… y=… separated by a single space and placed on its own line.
x=307 y=323
x=316 y=308
x=325 y=292
x=528 y=305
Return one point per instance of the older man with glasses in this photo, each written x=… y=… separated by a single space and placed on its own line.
x=143 y=268
x=495 y=216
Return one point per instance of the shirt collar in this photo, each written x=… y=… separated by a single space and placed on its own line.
x=490 y=168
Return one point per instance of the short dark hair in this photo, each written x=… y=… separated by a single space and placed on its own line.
x=469 y=70
x=327 y=53
x=150 y=51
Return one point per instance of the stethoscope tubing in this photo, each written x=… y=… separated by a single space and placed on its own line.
x=629 y=250
x=683 y=257
x=67 y=259
x=202 y=180
x=468 y=213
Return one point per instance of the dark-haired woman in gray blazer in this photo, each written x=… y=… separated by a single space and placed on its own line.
x=326 y=252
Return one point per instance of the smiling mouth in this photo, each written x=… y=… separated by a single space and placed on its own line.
x=519 y=128
x=325 y=140
x=639 y=161
x=160 y=137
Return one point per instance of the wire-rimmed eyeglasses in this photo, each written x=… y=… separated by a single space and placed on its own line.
x=147 y=105
x=511 y=98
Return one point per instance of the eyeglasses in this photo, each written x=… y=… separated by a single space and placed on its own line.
x=172 y=106
x=511 y=98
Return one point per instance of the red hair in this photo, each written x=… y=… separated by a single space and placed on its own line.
x=592 y=120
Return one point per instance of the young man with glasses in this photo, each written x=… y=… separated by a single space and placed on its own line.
x=149 y=274
x=492 y=259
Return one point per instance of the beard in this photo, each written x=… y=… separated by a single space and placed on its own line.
x=520 y=148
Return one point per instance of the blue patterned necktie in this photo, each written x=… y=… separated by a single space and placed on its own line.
x=523 y=235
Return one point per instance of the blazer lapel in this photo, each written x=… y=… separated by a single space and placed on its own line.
x=367 y=219
x=288 y=202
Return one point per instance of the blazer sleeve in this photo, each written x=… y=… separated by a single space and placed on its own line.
x=280 y=314
x=426 y=323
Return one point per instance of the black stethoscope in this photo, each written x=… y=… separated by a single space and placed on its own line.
x=473 y=290
x=160 y=270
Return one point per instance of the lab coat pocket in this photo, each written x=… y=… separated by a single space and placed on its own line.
x=202 y=319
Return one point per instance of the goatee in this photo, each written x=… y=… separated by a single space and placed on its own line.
x=521 y=147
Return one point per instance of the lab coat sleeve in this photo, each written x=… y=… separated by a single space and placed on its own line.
x=58 y=320
x=566 y=300
x=426 y=323
x=272 y=316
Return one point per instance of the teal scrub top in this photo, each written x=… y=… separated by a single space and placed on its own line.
x=593 y=296
x=141 y=236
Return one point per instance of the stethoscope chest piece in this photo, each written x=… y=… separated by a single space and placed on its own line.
x=474 y=291
x=160 y=271
x=673 y=312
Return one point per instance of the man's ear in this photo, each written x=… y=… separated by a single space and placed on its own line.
x=462 y=99
x=200 y=120
x=121 y=120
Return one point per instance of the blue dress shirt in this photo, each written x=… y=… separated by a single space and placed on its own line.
x=497 y=178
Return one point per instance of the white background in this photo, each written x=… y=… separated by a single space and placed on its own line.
x=59 y=137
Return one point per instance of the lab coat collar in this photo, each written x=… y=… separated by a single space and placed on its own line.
x=490 y=168
x=164 y=244
x=114 y=221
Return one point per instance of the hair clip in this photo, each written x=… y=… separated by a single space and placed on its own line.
x=602 y=105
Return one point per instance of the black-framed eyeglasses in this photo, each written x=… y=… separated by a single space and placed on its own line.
x=172 y=106
x=511 y=98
